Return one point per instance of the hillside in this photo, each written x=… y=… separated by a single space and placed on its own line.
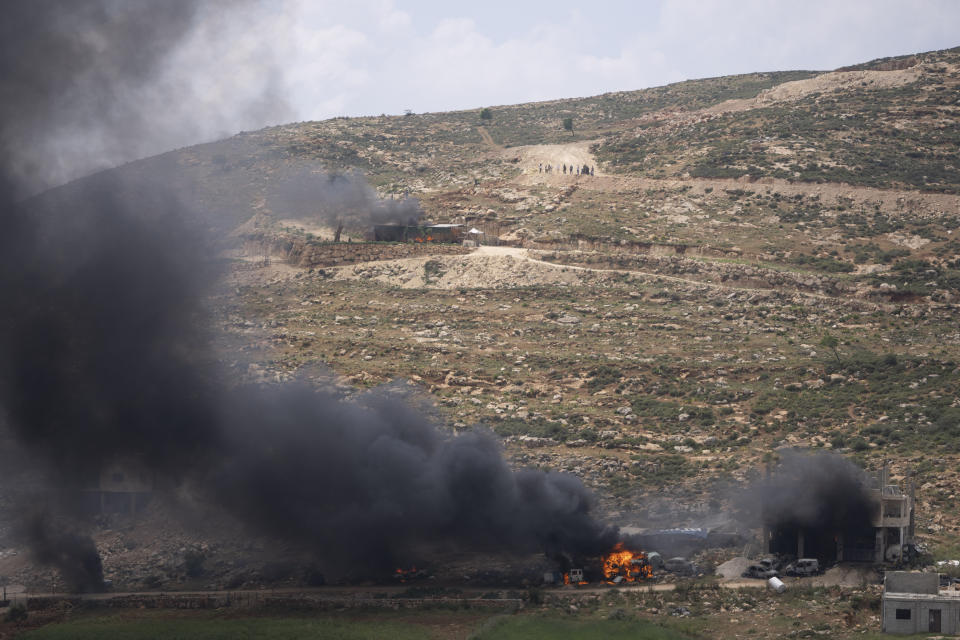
x=667 y=312
x=658 y=328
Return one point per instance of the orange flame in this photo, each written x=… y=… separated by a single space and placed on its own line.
x=405 y=574
x=631 y=566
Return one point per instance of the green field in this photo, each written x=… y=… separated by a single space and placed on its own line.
x=206 y=627
x=395 y=626
x=537 y=628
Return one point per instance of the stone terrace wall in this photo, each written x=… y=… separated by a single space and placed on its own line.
x=628 y=247
x=302 y=252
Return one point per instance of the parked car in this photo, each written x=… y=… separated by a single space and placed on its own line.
x=803 y=567
x=681 y=566
x=947 y=580
x=761 y=571
x=655 y=560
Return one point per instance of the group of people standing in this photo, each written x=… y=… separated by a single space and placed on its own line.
x=585 y=170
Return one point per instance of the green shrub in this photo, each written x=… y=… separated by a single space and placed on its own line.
x=193 y=561
x=16 y=614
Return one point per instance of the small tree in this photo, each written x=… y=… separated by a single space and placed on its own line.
x=830 y=342
x=568 y=125
x=486 y=114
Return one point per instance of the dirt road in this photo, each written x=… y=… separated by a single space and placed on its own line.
x=525 y=255
x=574 y=154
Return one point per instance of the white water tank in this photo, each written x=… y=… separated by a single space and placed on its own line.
x=776 y=584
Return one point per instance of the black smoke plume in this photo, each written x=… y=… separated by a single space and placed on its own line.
x=71 y=82
x=822 y=491
x=105 y=355
x=338 y=200
x=372 y=481
x=814 y=504
x=89 y=84
x=73 y=553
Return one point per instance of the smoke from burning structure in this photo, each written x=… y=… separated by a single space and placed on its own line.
x=814 y=505
x=104 y=355
x=338 y=200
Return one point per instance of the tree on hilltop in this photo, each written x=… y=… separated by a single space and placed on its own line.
x=568 y=125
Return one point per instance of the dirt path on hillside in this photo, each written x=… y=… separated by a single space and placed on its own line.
x=660 y=276
x=487 y=139
x=507 y=267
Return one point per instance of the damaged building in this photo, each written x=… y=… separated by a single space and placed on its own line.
x=447 y=233
x=878 y=532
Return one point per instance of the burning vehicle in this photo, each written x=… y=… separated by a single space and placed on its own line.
x=623 y=565
x=620 y=566
x=574 y=576
x=410 y=575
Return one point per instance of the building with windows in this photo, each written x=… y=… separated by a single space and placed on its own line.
x=913 y=602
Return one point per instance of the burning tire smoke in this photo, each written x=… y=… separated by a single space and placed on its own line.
x=104 y=355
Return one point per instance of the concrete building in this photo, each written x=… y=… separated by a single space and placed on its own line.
x=914 y=603
x=893 y=522
x=879 y=540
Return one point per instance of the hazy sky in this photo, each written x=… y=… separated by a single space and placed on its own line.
x=244 y=64
x=367 y=57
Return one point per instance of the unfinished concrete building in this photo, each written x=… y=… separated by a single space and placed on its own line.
x=914 y=603
x=880 y=539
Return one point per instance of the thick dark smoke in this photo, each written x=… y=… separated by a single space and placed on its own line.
x=104 y=354
x=822 y=491
x=373 y=482
x=73 y=553
x=103 y=347
x=71 y=76
x=338 y=199
x=93 y=83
